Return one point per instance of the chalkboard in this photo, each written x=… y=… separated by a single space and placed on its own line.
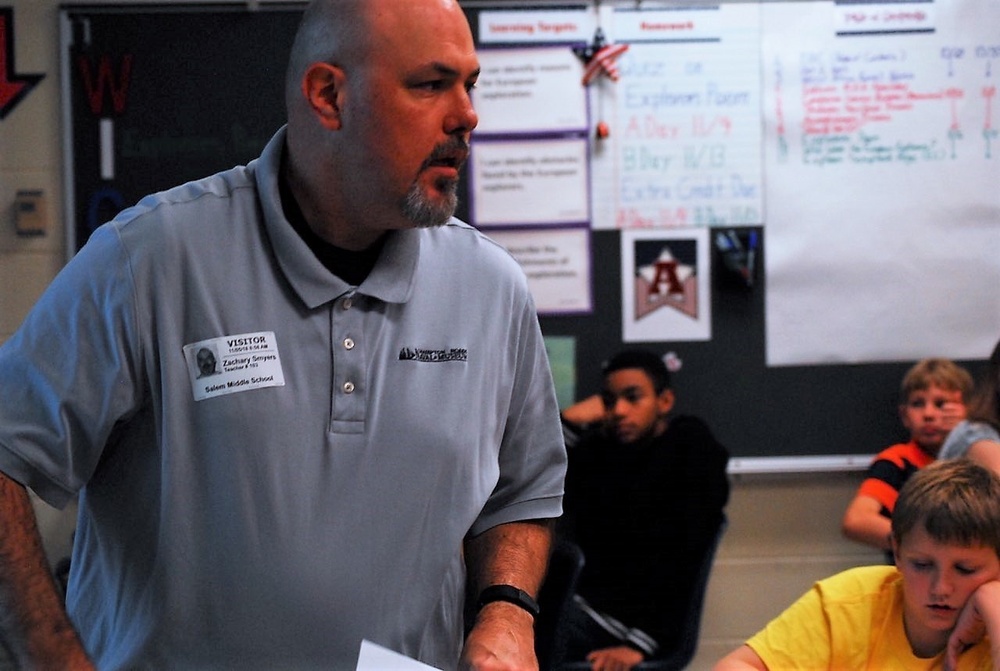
x=181 y=91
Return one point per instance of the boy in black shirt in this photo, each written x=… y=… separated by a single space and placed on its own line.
x=644 y=497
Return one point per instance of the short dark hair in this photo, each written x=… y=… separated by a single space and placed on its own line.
x=649 y=362
x=956 y=501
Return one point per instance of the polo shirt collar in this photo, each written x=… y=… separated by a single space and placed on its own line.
x=391 y=280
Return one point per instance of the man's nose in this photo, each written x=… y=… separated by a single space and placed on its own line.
x=462 y=118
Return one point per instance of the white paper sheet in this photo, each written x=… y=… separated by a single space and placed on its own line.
x=374 y=657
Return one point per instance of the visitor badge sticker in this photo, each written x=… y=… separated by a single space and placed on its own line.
x=233 y=363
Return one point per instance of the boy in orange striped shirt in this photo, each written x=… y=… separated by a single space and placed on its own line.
x=933 y=393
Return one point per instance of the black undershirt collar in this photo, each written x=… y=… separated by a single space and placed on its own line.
x=352 y=267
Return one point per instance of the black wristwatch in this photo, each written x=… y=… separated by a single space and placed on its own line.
x=510 y=594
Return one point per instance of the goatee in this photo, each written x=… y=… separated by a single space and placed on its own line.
x=423 y=213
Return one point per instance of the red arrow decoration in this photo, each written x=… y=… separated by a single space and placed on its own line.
x=13 y=88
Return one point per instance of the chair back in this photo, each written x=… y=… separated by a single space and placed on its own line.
x=565 y=566
x=684 y=653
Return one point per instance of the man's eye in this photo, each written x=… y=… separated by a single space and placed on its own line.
x=921 y=565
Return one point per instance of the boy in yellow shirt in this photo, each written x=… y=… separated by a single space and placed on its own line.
x=939 y=607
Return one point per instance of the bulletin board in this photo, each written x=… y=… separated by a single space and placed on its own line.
x=791 y=201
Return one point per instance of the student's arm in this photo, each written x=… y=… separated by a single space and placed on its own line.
x=583 y=413
x=508 y=554
x=863 y=523
x=617 y=658
x=742 y=658
x=986 y=453
x=979 y=617
x=33 y=621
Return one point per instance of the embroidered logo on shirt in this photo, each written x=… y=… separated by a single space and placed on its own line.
x=433 y=355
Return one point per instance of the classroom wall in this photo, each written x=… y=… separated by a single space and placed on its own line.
x=30 y=158
x=784 y=529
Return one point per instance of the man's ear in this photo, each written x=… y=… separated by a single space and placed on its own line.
x=665 y=401
x=323 y=86
x=894 y=546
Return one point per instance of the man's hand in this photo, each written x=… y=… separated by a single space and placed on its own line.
x=619 y=658
x=515 y=553
x=503 y=639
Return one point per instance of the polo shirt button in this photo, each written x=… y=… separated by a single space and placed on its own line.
x=348 y=303
x=348 y=343
x=348 y=387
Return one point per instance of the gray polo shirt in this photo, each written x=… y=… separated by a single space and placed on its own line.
x=272 y=464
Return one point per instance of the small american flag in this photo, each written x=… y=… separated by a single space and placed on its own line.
x=599 y=58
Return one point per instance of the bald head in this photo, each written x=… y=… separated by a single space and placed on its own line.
x=379 y=112
x=330 y=32
x=343 y=32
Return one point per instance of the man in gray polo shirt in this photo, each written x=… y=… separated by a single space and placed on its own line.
x=378 y=422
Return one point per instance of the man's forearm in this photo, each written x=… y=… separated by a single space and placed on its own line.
x=510 y=554
x=33 y=621
x=513 y=554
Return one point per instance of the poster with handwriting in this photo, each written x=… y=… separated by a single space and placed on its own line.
x=685 y=143
x=883 y=180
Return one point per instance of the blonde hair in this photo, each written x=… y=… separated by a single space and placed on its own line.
x=956 y=501
x=942 y=373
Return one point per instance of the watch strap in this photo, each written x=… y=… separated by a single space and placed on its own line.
x=510 y=594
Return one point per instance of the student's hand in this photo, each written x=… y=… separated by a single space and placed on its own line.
x=980 y=616
x=619 y=658
x=952 y=414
